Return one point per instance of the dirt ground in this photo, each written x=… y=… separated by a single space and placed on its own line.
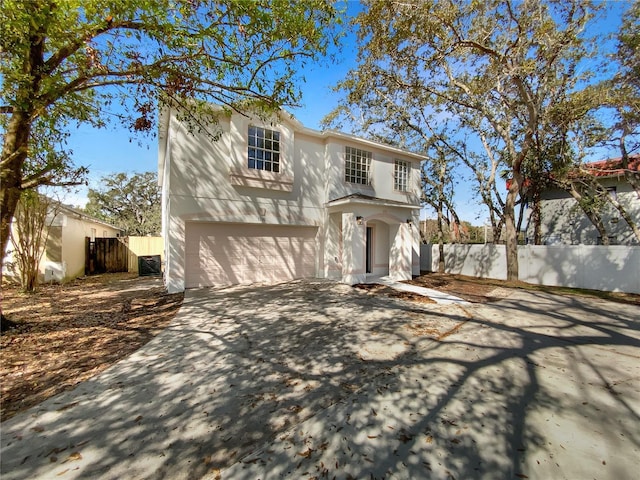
x=377 y=289
x=482 y=290
x=69 y=333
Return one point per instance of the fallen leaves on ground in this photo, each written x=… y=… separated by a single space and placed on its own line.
x=471 y=290
x=69 y=333
x=377 y=289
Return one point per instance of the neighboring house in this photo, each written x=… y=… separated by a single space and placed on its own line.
x=564 y=222
x=274 y=201
x=64 y=255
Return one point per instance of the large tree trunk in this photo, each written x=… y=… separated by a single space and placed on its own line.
x=14 y=154
x=520 y=218
x=455 y=229
x=17 y=133
x=440 y=240
x=536 y=218
x=511 y=235
x=16 y=137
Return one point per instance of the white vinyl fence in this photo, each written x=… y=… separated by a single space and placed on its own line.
x=614 y=268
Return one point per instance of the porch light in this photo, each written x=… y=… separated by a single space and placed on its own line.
x=359 y=220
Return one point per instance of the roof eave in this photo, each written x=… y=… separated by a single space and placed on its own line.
x=364 y=201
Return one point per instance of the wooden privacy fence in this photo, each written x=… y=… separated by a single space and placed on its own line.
x=105 y=255
x=110 y=255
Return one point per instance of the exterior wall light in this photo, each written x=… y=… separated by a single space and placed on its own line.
x=409 y=221
x=359 y=220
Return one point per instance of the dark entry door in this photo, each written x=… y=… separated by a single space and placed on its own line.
x=369 y=249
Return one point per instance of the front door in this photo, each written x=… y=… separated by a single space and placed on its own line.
x=369 y=249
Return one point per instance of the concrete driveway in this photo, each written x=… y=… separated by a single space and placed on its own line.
x=313 y=379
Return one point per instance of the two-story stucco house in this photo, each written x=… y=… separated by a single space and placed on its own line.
x=272 y=201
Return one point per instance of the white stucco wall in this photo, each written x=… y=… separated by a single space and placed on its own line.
x=74 y=232
x=596 y=267
x=563 y=222
x=382 y=173
x=206 y=181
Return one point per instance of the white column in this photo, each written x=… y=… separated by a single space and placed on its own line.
x=415 y=243
x=353 y=250
x=401 y=251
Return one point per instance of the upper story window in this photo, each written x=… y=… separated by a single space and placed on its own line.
x=401 y=175
x=357 y=166
x=264 y=149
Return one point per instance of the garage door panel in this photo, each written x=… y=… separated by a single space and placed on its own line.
x=224 y=254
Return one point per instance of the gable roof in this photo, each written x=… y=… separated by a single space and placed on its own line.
x=80 y=215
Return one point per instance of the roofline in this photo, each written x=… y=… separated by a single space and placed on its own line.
x=612 y=168
x=83 y=215
x=324 y=134
x=285 y=116
x=368 y=201
x=164 y=118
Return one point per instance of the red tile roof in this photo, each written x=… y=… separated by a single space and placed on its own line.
x=613 y=166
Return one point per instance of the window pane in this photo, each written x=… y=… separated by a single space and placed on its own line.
x=264 y=149
x=401 y=175
x=357 y=165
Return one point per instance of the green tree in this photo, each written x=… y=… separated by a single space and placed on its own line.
x=608 y=115
x=625 y=92
x=33 y=218
x=131 y=202
x=65 y=63
x=498 y=69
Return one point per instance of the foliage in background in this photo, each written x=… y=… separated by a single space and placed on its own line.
x=66 y=63
x=510 y=78
x=128 y=201
x=624 y=91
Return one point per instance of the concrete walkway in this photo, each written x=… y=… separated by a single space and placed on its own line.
x=437 y=296
x=317 y=379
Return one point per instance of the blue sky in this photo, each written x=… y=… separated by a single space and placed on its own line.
x=114 y=149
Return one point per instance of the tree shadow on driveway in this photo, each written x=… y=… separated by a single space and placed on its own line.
x=316 y=379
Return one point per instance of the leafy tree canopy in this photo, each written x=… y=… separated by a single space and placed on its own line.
x=506 y=74
x=66 y=62
x=131 y=202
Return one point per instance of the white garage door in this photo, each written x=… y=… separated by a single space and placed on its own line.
x=226 y=254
